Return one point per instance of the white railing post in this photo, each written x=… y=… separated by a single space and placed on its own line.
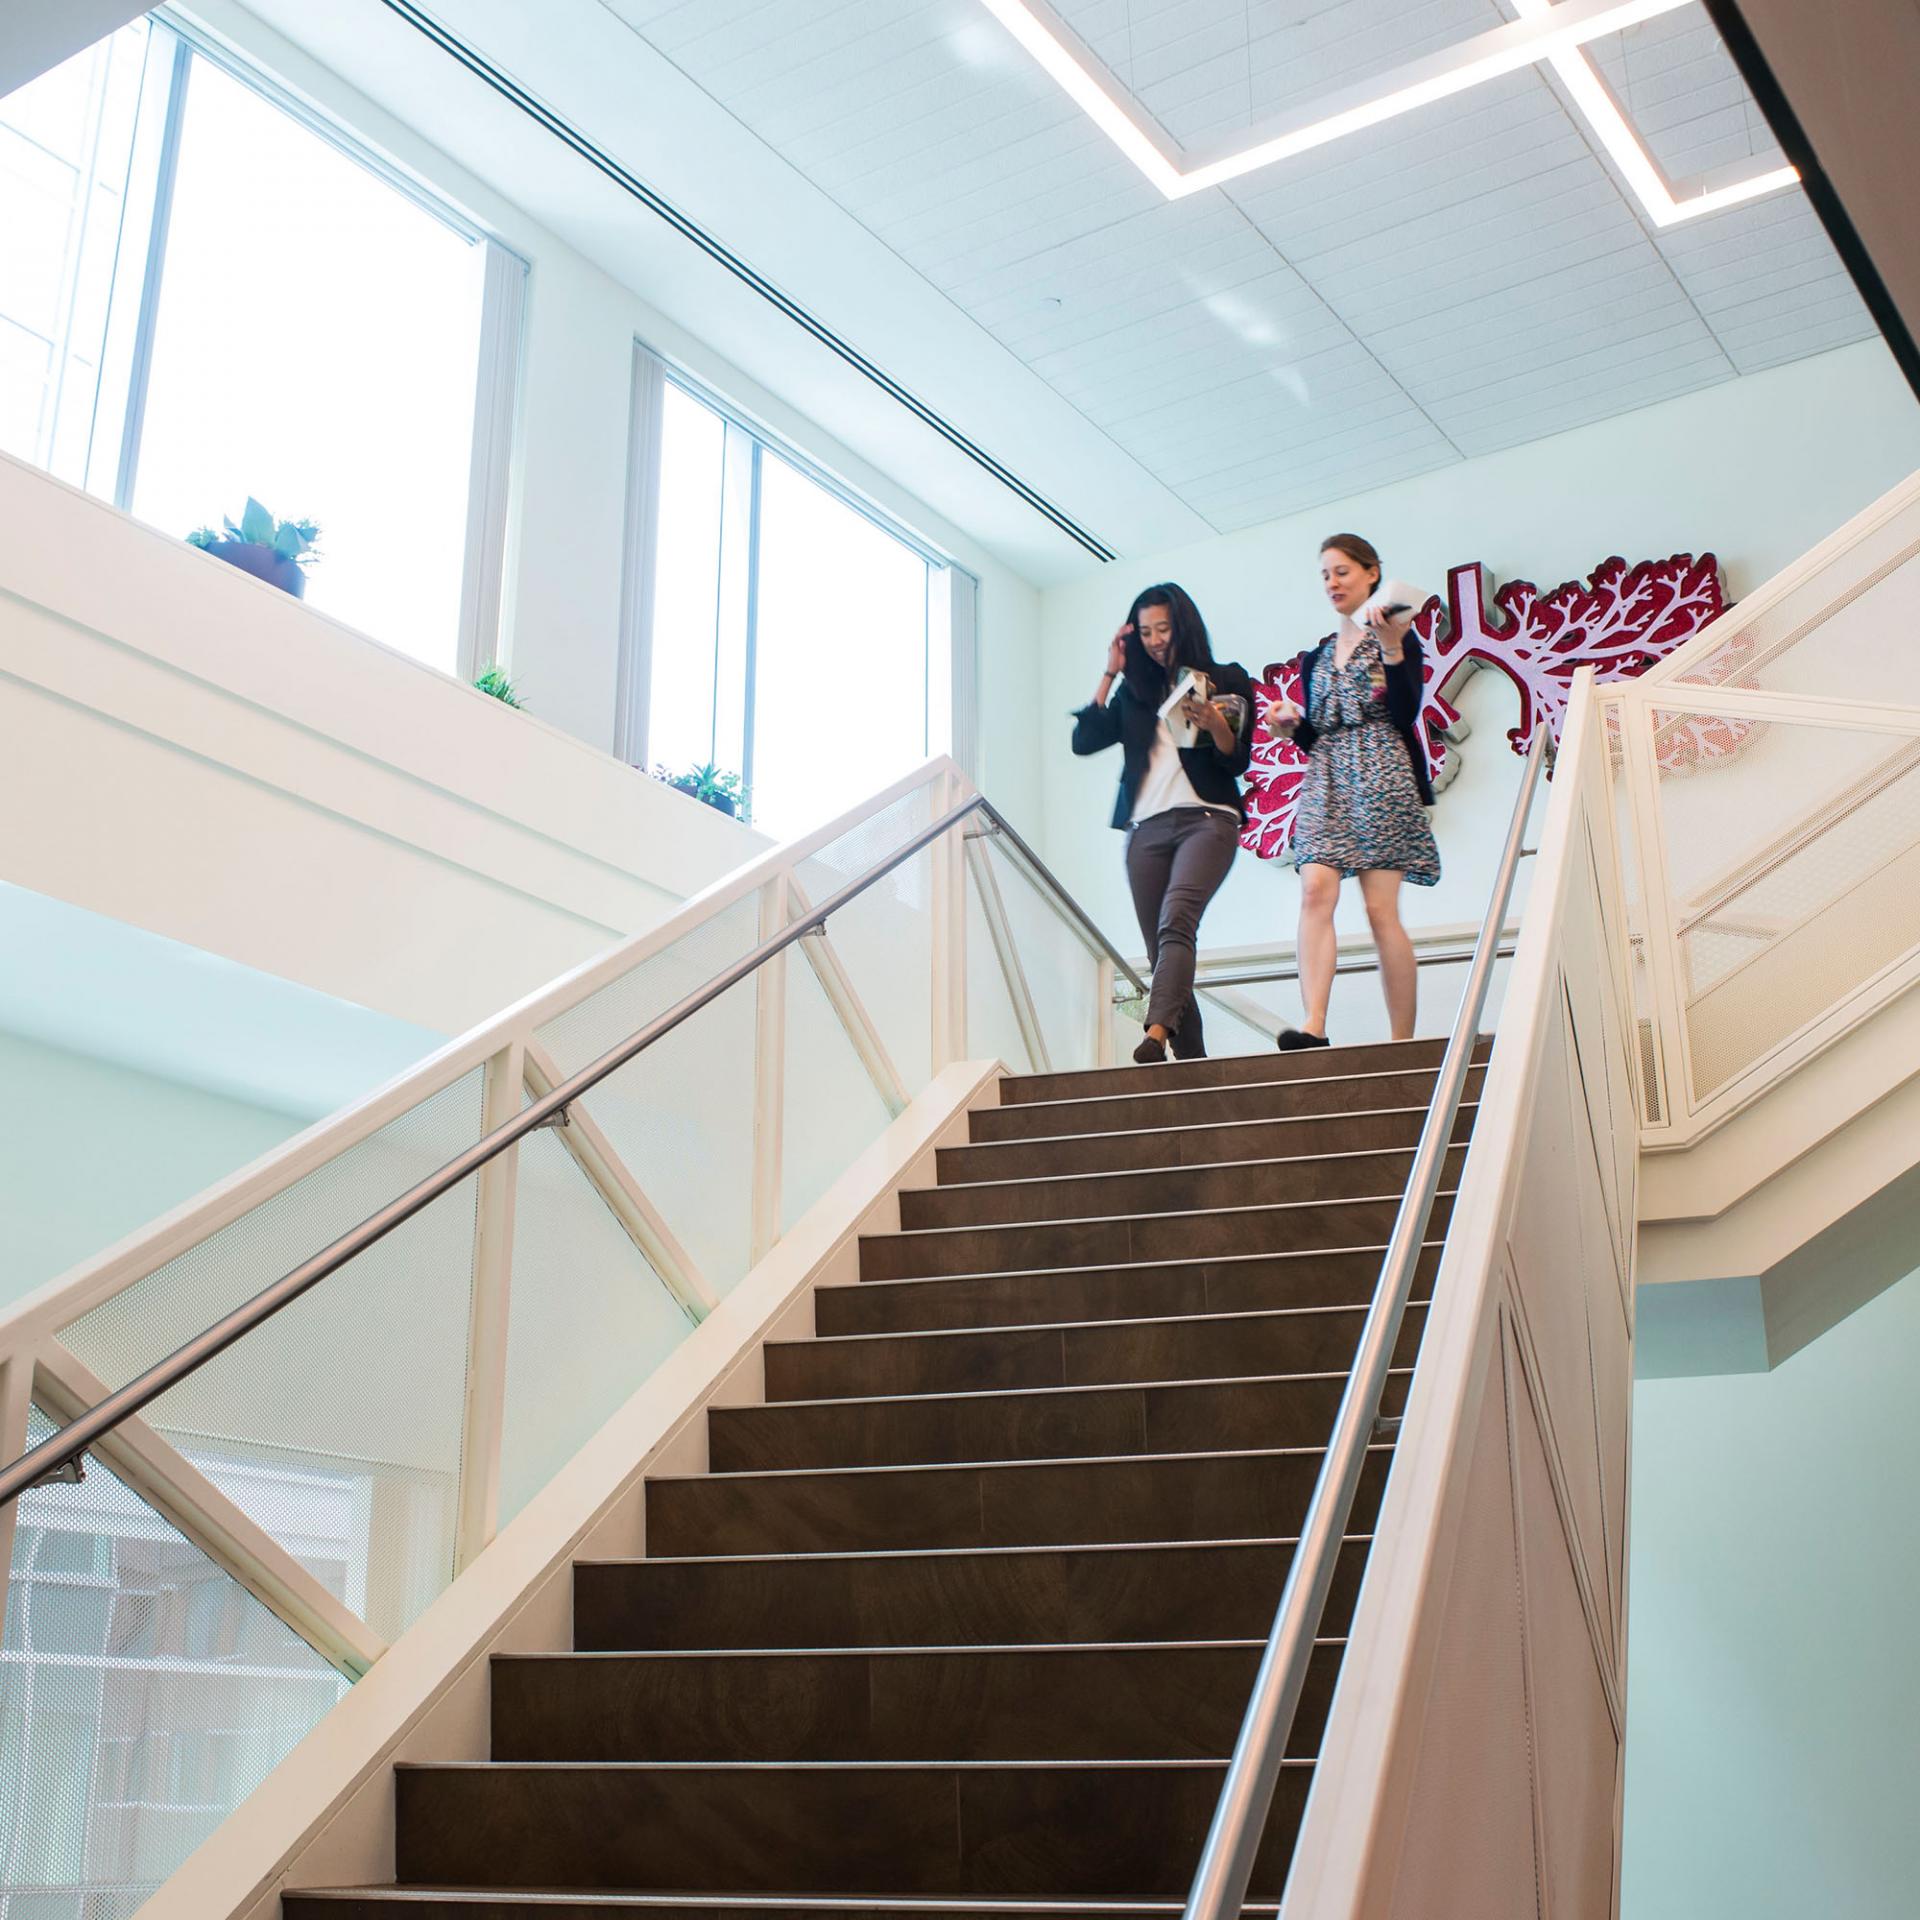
x=769 y=1072
x=1103 y=979
x=949 y=890
x=16 y=1403
x=484 y=1414
x=993 y=909
x=1662 y=949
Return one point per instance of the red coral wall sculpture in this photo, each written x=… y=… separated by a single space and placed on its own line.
x=1619 y=621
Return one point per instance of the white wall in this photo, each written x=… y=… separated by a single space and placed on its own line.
x=1774 y=1673
x=1757 y=470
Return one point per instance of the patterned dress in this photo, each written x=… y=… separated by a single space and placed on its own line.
x=1359 y=804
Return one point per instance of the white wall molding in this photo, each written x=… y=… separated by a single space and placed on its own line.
x=208 y=758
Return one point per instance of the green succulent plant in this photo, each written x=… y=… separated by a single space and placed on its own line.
x=290 y=539
x=495 y=682
x=725 y=791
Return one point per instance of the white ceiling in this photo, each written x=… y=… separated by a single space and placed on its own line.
x=1462 y=279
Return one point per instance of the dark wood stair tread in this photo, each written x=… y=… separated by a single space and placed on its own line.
x=1091 y=1700
x=1234 y=1069
x=1114 y=1828
x=960 y=1621
x=1152 y=1289
x=1092 y=1591
x=1172 y=1416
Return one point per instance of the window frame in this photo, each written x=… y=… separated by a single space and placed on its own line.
x=112 y=467
x=952 y=591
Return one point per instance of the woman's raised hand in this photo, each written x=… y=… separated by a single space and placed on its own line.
x=1283 y=717
x=1390 y=629
x=1117 y=651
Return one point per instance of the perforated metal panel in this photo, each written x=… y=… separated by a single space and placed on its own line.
x=993 y=1028
x=1819 y=641
x=1062 y=973
x=143 y=1696
x=1783 y=905
x=833 y=1112
x=308 y=1400
x=681 y=1115
x=884 y=939
x=588 y=1321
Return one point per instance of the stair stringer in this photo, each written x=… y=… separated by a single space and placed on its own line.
x=325 y=1815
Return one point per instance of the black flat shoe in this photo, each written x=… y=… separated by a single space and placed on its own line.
x=1292 y=1040
x=1150 y=1052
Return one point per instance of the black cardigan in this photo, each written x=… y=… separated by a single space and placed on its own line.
x=1406 y=685
x=1132 y=722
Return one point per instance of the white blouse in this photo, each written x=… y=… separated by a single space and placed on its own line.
x=1165 y=785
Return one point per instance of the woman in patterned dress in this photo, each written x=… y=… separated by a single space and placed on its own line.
x=1363 y=803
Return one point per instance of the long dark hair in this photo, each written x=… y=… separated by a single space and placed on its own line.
x=1147 y=679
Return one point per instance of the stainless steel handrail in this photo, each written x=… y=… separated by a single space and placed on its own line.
x=1240 y=1817
x=66 y=1446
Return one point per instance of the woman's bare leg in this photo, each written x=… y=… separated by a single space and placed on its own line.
x=1399 y=976
x=1318 y=947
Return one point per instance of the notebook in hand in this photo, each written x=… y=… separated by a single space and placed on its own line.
x=1184 y=732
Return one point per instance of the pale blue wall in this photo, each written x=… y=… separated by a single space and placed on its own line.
x=1773 y=1721
x=135 y=1071
x=89 y=1151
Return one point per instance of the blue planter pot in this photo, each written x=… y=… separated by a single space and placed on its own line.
x=263 y=563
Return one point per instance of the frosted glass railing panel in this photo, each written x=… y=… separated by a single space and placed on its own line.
x=680 y=1117
x=884 y=939
x=1793 y=869
x=307 y=1400
x=993 y=1027
x=143 y=1695
x=1063 y=974
x=832 y=1109
x=1828 y=637
x=588 y=1321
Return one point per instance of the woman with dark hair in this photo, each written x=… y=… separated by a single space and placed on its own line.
x=1179 y=803
x=1362 y=804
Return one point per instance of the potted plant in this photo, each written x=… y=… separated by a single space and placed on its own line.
x=726 y=792
x=276 y=551
x=495 y=683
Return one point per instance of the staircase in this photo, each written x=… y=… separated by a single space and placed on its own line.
x=967 y=1613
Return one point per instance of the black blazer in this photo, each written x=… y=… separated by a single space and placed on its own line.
x=1132 y=722
x=1406 y=683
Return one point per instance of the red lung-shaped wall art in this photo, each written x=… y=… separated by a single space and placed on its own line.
x=1620 y=620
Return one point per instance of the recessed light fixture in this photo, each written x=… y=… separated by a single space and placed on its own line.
x=1544 y=32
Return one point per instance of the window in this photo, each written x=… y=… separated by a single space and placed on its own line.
x=71 y=188
x=793 y=636
x=212 y=296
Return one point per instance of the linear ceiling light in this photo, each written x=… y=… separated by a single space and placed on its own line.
x=1666 y=206
x=1543 y=32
